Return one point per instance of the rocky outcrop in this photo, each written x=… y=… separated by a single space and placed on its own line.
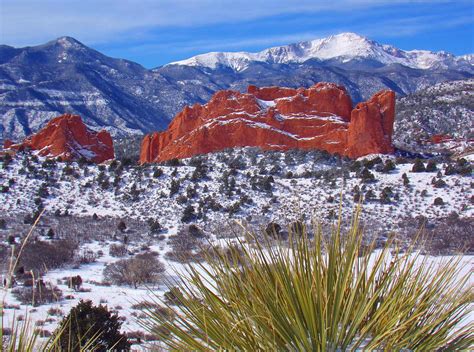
x=7 y=144
x=67 y=137
x=371 y=126
x=273 y=118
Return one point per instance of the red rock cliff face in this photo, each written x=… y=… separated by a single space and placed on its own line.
x=67 y=137
x=273 y=118
x=371 y=126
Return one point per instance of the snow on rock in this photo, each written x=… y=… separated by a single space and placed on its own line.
x=320 y=117
x=67 y=137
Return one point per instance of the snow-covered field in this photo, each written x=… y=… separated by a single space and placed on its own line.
x=245 y=185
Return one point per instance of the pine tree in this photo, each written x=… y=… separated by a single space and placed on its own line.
x=406 y=181
x=122 y=226
x=418 y=166
x=431 y=166
x=88 y=324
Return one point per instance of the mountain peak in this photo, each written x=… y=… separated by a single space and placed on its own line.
x=68 y=43
x=347 y=36
x=343 y=47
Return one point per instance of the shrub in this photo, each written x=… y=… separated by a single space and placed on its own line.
x=121 y=226
x=440 y=183
x=142 y=269
x=75 y=282
x=86 y=256
x=188 y=214
x=87 y=324
x=386 y=195
x=328 y=294
x=37 y=294
x=465 y=170
x=366 y=175
x=173 y=162
x=273 y=230
x=431 y=166
x=174 y=187
x=406 y=181
x=389 y=166
x=438 y=201
x=418 y=166
x=157 y=173
x=40 y=256
x=50 y=233
x=154 y=225
x=369 y=195
x=187 y=240
x=450 y=170
x=118 y=250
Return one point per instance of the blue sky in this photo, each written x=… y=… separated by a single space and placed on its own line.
x=155 y=32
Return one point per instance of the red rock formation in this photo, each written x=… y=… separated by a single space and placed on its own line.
x=67 y=137
x=440 y=138
x=7 y=144
x=320 y=117
x=371 y=126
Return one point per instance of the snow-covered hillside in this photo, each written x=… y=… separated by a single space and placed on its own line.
x=344 y=47
x=445 y=110
x=158 y=209
x=244 y=184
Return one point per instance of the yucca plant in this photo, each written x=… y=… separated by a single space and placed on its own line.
x=327 y=293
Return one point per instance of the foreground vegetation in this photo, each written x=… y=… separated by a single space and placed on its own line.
x=300 y=289
x=323 y=293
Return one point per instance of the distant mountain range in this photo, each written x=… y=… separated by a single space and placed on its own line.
x=65 y=76
x=342 y=48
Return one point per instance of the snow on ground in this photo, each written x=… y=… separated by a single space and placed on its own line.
x=81 y=194
x=239 y=182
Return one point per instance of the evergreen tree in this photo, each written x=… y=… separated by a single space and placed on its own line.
x=87 y=324
x=418 y=166
x=50 y=233
x=188 y=214
x=431 y=166
x=406 y=181
x=122 y=226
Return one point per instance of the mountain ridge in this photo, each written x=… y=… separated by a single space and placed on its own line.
x=345 y=46
x=63 y=76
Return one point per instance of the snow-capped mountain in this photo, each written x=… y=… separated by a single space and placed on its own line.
x=65 y=76
x=343 y=47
